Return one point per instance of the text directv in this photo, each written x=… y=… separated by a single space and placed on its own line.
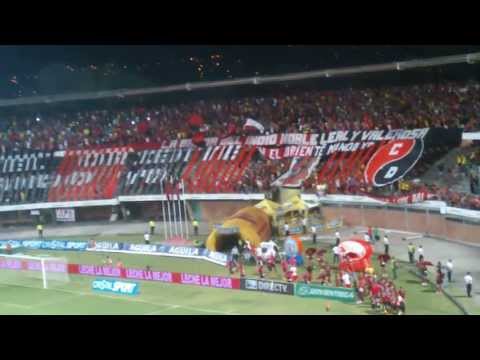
x=275 y=287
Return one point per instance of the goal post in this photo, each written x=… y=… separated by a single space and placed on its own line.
x=33 y=271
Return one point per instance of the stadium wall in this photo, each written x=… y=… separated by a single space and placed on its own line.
x=429 y=222
x=432 y=218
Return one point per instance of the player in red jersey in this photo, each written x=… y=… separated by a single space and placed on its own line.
x=230 y=266
x=241 y=265
x=375 y=293
x=401 y=308
x=258 y=254
x=320 y=257
x=260 y=268
x=338 y=279
x=322 y=276
x=385 y=299
x=307 y=277
x=328 y=274
x=292 y=274
x=310 y=254
x=284 y=264
x=271 y=263
x=292 y=261
x=361 y=284
x=393 y=300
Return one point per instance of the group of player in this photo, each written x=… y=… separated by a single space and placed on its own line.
x=266 y=257
x=380 y=290
x=383 y=294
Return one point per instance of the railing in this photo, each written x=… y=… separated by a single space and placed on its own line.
x=120 y=93
x=342 y=201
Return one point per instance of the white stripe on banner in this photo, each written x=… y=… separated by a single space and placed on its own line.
x=159 y=254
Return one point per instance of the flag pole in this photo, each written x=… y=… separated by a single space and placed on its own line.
x=179 y=204
x=185 y=210
x=175 y=214
x=169 y=216
x=164 y=213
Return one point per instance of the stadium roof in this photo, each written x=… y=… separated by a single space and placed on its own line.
x=332 y=72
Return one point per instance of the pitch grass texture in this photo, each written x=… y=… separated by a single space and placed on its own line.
x=76 y=297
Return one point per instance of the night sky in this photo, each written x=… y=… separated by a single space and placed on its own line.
x=38 y=70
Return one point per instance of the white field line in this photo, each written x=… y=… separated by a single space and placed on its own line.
x=388 y=231
x=207 y=310
x=156 y=312
x=393 y=231
x=81 y=293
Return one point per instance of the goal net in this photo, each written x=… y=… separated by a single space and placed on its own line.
x=33 y=271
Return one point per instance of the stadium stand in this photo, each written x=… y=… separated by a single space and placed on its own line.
x=447 y=105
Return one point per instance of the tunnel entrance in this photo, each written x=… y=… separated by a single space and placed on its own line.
x=227 y=238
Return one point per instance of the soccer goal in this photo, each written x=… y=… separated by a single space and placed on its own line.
x=33 y=271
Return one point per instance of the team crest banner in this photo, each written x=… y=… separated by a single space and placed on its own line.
x=374 y=157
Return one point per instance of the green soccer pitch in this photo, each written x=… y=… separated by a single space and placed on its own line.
x=76 y=297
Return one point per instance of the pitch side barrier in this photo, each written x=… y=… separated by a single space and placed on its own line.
x=432 y=218
x=184 y=278
x=115 y=247
x=439 y=206
x=126 y=199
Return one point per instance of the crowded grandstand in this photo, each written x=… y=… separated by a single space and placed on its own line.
x=289 y=186
x=443 y=106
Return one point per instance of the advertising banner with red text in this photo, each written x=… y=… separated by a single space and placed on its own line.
x=159 y=276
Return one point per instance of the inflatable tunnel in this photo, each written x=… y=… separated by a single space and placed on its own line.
x=251 y=223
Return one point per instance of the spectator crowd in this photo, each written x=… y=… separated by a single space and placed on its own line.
x=307 y=111
x=444 y=105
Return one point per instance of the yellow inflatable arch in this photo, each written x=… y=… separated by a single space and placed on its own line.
x=253 y=225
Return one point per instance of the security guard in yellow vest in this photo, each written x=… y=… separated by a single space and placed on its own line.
x=151 y=224
x=459 y=160
x=40 y=231
x=411 y=253
x=195 y=227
